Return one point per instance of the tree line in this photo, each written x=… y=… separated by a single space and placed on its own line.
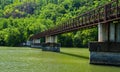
x=20 y=19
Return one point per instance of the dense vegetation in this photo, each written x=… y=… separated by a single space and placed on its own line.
x=19 y=19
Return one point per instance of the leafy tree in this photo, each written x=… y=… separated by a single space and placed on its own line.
x=19 y=19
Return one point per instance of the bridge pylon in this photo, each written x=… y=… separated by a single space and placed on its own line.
x=107 y=49
x=36 y=43
x=51 y=44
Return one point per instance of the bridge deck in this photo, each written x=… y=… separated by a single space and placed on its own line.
x=104 y=14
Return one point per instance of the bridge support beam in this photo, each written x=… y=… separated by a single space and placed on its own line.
x=107 y=49
x=51 y=44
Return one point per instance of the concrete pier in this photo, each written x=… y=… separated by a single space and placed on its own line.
x=118 y=32
x=102 y=32
x=107 y=49
x=51 y=44
x=51 y=39
x=36 y=43
x=110 y=58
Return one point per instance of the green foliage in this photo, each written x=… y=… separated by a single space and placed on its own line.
x=12 y=37
x=83 y=37
x=19 y=19
x=66 y=40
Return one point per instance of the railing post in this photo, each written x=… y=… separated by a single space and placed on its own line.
x=67 y=24
x=82 y=20
x=85 y=19
x=117 y=8
x=107 y=11
x=62 y=27
x=89 y=17
x=73 y=22
x=99 y=14
x=78 y=21
x=70 y=23
x=94 y=16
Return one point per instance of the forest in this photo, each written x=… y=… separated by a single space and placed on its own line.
x=20 y=19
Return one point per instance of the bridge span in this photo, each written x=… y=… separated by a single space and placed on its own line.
x=106 y=17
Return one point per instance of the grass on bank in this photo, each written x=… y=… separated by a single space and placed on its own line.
x=23 y=59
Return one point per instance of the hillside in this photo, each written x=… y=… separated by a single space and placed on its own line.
x=19 y=19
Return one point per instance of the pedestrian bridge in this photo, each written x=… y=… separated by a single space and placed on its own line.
x=103 y=14
x=106 y=17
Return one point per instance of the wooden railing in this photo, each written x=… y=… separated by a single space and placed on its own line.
x=107 y=13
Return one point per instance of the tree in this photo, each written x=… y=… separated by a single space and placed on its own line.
x=19 y=19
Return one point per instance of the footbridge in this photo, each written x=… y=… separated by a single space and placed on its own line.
x=106 y=17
